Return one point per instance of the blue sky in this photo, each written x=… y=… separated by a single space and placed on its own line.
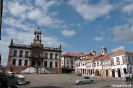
x=79 y=25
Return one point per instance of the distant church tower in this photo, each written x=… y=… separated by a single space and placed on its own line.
x=37 y=38
x=93 y=52
x=104 y=50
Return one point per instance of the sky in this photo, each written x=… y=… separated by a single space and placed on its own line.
x=78 y=25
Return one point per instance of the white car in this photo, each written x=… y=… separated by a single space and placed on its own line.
x=11 y=74
x=20 y=79
x=83 y=80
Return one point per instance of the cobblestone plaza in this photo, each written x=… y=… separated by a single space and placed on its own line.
x=67 y=81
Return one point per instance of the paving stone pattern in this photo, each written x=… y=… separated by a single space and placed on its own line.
x=67 y=81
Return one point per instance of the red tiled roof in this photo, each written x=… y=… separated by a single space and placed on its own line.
x=115 y=53
x=93 y=57
x=100 y=56
x=73 y=54
x=105 y=57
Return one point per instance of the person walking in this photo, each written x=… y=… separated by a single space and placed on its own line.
x=126 y=75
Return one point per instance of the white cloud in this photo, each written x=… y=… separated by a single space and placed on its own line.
x=35 y=14
x=121 y=47
x=68 y=33
x=45 y=4
x=15 y=8
x=98 y=38
x=91 y=12
x=44 y=19
x=52 y=42
x=123 y=33
x=128 y=8
x=39 y=13
x=18 y=24
x=21 y=37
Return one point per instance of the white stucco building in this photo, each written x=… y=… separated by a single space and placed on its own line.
x=34 y=58
x=114 y=64
x=68 y=61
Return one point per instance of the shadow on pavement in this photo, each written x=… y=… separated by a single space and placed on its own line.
x=46 y=87
x=27 y=82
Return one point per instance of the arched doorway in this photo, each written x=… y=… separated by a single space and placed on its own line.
x=119 y=72
x=124 y=70
x=83 y=71
x=37 y=37
x=33 y=63
x=38 y=63
x=98 y=73
x=113 y=73
x=106 y=73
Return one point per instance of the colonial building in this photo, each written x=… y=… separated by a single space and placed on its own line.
x=68 y=61
x=89 y=63
x=34 y=58
x=117 y=63
x=114 y=64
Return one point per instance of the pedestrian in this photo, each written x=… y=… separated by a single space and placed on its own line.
x=128 y=78
x=126 y=75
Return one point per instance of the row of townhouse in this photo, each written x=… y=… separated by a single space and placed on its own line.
x=68 y=61
x=114 y=64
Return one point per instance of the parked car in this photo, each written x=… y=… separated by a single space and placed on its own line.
x=83 y=80
x=11 y=74
x=20 y=79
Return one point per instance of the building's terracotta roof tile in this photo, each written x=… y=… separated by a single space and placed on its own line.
x=105 y=57
x=93 y=57
x=73 y=54
x=115 y=53
x=101 y=57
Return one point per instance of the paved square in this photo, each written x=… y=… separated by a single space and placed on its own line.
x=67 y=81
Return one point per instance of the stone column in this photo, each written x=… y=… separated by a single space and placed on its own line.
x=59 y=62
x=17 y=60
x=29 y=61
x=9 y=60
x=23 y=55
x=41 y=62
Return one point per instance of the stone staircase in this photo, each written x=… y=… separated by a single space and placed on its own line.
x=17 y=69
x=32 y=70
